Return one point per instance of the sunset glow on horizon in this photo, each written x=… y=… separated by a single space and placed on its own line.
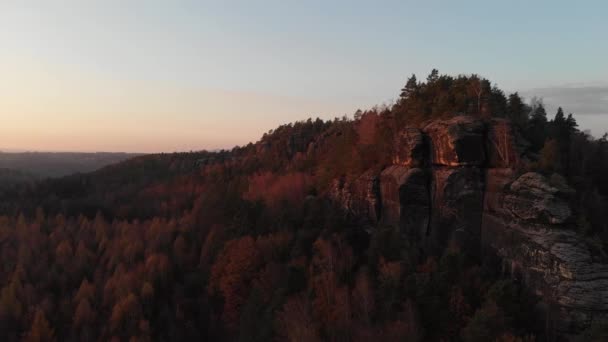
x=163 y=76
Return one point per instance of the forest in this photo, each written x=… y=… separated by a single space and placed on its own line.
x=56 y=164
x=246 y=245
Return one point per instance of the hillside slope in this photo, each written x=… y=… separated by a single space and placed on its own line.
x=449 y=216
x=58 y=164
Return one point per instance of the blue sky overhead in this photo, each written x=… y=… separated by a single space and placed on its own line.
x=181 y=75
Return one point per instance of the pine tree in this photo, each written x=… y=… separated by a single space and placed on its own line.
x=537 y=128
x=516 y=110
x=559 y=116
x=571 y=123
x=538 y=112
x=411 y=87
x=433 y=76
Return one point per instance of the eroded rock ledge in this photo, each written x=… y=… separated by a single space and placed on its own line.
x=455 y=182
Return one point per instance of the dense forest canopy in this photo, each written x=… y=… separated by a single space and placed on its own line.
x=245 y=244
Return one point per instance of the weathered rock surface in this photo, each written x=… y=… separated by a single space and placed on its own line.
x=526 y=229
x=556 y=264
x=360 y=197
x=459 y=141
x=455 y=183
x=532 y=198
x=405 y=199
x=411 y=148
x=391 y=180
x=457 y=199
x=497 y=182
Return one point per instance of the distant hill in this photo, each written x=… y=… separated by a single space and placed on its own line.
x=57 y=164
x=9 y=177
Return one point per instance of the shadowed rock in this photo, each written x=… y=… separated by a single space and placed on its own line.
x=532 y=198
x=457 y=208
x=497 y=182
x=410 y=148
x=472 y=201
x=457 y=142
x=360 y=197
x=555 y=263
x=405 y=199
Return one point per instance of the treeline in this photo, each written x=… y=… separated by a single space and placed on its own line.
x=244 y=244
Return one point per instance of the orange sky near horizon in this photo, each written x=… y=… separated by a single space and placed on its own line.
x=58 y=110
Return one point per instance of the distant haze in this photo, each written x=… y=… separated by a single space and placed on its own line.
x=43 y=165
x=159 y=76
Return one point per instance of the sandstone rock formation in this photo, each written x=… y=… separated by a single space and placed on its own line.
x=556 y=264
x=360 y=197
x=411 y=148
x=459 y=141
x=528 y=229
x=457 y=208
x=532 y=198
x=471 y=195
x=405 y=200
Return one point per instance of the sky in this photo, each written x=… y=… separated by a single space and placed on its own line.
x=174 y=75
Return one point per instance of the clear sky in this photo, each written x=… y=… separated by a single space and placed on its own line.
x=172 y=75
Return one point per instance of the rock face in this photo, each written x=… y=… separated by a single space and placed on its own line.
x=457 y=208
x=459 y=141
x=497 y=183
x=528 y=230
x=455 y=183
x=391 y=181
x=532 y=198
x=405 y=200
x=360 y=197
x=556 y=264
x=411 y=148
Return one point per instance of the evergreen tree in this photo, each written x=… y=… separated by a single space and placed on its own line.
x=559 y=129
x=498 y=103
x=537 y=126
x=571 y=123
x=516 y=110
x=433 y=76
x=411 y=87
x=559 y=116
x=538 y=112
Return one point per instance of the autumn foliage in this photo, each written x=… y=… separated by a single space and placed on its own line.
x=247 y=245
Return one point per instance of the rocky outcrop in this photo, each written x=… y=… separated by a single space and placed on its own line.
x=391 y=180
x=455 y=183
x=360 y=197
x=459 y=141
x=405 y=200
x=532 y=198
x=497 y=182
x=457 y=208
x=410 y=148
x=555 y=263
x=528 y=230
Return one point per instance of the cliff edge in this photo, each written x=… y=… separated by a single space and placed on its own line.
x=458 y=183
